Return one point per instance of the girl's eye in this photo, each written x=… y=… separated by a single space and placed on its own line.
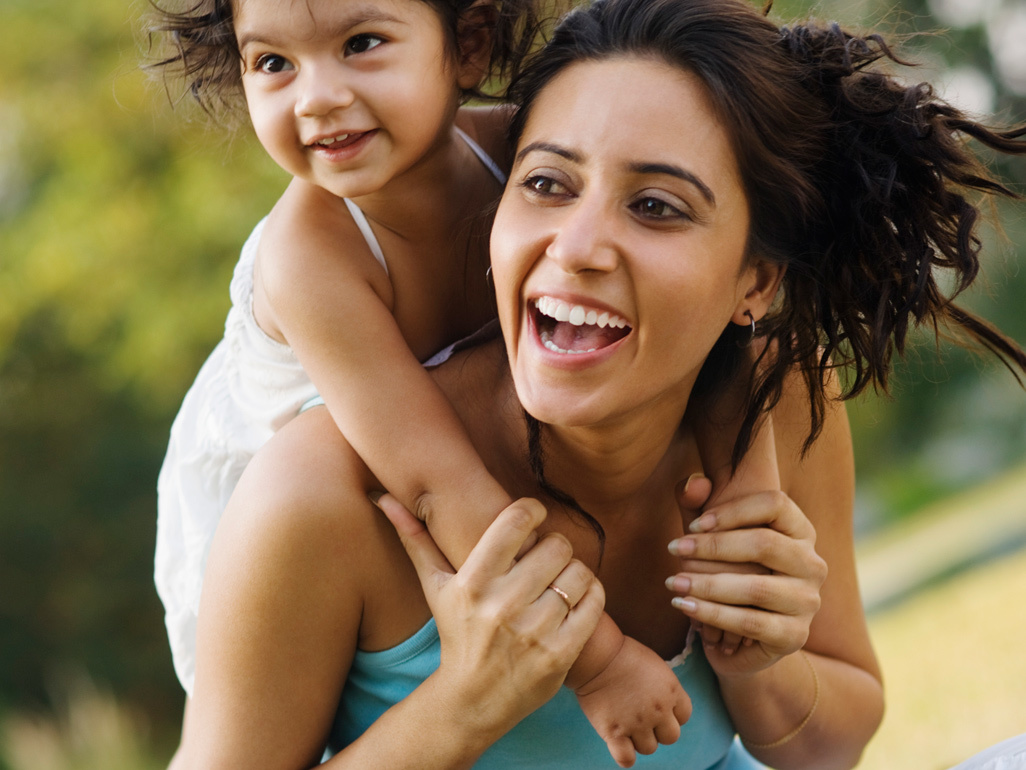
x=543 y=185
x=362 y=43
x=272 y=63
x=655 y=208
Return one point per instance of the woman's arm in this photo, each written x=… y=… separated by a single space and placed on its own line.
x=304 y=570
x=811 y=665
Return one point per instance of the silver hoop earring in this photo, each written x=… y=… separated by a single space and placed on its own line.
x=746 y=341
x=488 y=277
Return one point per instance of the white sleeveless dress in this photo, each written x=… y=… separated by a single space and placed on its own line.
x=247 y=389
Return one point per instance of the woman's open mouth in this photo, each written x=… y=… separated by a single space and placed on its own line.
x=576 y=329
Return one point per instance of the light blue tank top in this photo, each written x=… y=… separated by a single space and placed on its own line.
x=555 y=737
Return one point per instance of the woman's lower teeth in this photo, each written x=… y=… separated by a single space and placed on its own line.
x=546 y=338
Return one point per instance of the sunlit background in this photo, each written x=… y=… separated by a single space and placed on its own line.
x=120 y=222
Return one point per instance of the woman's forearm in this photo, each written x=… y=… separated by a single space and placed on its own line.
x=805 y=711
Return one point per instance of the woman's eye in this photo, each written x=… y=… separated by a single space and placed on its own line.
x=655 y=208
x=543 y=185
x=272 y=63
x=362 y=43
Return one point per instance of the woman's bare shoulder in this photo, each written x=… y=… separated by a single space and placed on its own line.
x=306 y=489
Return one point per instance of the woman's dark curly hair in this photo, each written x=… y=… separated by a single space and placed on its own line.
x=198 y=44
x=858 y=182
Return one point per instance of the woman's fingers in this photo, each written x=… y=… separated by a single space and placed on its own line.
x=503 y=540
x=432 y=567
x=569 y=586
x=773 y=509
x=774 y=593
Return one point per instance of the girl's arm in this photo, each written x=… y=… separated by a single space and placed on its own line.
x=304 y=570
x=332 y=303
x=806 y=692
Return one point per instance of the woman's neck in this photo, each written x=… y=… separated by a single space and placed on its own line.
x=609 y=470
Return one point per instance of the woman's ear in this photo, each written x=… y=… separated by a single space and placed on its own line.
x=475 y=34
x=760 y=281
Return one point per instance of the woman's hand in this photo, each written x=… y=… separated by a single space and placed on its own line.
x=507 y=640
x=770 y=603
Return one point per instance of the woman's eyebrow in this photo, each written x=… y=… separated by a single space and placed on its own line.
x=555 y=149
x=676 y=171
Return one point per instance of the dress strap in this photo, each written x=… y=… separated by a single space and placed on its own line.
x=483 y=156
x=365 y=230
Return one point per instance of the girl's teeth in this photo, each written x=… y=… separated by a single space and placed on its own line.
x=602 y=320
x=576 y=315
x=562 y=311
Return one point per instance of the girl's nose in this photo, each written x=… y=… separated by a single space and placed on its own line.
x=322 y=89
x=585 y=237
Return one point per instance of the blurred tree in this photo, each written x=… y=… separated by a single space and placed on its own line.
x=120 y=222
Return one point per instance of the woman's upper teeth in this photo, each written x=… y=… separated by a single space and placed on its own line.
x=578 y=315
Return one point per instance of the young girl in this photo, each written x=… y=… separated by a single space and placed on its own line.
x=373 y=260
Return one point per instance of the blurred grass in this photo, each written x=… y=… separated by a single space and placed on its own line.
x=954 y=669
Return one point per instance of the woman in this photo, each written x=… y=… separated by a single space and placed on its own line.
x=683 y=170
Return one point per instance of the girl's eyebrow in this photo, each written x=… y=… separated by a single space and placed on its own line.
x=339 y=28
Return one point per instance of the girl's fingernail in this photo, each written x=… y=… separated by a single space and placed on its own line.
x=704 y=523
x=682 y=546
x=691 y=478
x=688 y=605
x=374 y=495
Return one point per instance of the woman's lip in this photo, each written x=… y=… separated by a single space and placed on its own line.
x=568 y=359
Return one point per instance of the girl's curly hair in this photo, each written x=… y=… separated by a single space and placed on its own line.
x=197 y=44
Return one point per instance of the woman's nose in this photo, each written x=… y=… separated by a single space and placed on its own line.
x=322 y=89
x=586 y=237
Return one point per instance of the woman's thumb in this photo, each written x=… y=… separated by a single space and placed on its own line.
x=432 y=567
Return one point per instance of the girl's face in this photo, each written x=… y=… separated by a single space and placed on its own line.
x=347 y=94
x=618 y=249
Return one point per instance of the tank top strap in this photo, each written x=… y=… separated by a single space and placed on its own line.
x=483 y=156
x=365 y=230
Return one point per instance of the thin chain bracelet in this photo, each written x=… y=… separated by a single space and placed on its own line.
x=805 y=721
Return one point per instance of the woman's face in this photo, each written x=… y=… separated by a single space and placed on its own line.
x=618 y=248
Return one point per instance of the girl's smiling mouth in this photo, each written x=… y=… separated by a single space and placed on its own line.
x=575 y=329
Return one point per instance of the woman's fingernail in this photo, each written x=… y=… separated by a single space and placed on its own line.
x=678 y=583
x=374 y=495
x=704 y=523
x=682 y=546
x=691 y=478
x=688 y=605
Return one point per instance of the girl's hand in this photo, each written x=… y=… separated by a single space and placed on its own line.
x=507 y=640
x=771 y=602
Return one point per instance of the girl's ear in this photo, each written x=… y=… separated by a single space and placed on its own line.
x=760 y=281
x=475 y=33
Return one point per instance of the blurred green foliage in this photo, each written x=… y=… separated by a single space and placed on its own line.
x=120 y=222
